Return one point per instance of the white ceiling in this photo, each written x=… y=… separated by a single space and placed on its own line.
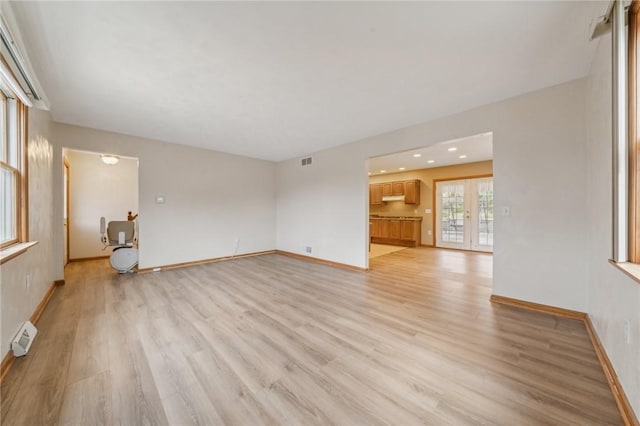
x=473 y=148
x=277 y=80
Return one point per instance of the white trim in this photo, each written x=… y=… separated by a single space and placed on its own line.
x=620 y=155
x=13 y=85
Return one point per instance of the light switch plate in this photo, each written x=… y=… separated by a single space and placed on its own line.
x=160 y=199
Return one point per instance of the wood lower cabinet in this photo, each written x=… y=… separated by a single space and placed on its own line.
x=385 y=228
x=406 y=230
x=375 y=228
x=396 y=231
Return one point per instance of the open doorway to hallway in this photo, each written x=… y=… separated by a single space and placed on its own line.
x=406 y=210
x=96 y=186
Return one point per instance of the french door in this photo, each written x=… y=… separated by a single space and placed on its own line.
x=464 y=210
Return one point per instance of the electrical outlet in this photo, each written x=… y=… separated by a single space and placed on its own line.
x=429 y=232
x=307 y=249
x=627 y=332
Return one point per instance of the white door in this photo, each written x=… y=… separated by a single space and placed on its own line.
x=464 y=211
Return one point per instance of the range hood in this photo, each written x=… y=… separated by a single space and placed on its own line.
x=393 y=198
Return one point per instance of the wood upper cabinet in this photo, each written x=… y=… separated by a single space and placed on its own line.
x=410 y=189
x=397 y=188
x=412 y=192
x=375 y=193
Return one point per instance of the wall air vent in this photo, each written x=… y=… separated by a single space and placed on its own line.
x=306 y=161
x=23 y=340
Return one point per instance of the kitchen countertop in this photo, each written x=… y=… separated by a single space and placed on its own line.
x=396 y=217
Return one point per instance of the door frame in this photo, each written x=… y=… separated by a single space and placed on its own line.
x=66 y=171
x=434 y=195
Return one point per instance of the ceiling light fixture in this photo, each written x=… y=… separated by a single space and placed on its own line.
x=417 y=155
x=462 y=156
x=110 y=159
x=383 y=171
x=401 y=168
x=453 y=148
x=431 y=161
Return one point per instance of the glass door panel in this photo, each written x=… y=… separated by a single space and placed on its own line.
x=482 y=214
x=464 y=210
x=451 y=226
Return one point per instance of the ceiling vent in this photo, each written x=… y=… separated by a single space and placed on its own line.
x=306 y=161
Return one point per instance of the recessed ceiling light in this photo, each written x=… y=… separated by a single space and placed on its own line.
x=369 y=173
x=401 y=168
x=383 y=171
x=431 y=161
x=453 y=148
x=417 y=155
x=462 y=156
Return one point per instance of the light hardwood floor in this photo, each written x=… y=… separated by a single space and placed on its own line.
x=278 y=340
x=377 y=250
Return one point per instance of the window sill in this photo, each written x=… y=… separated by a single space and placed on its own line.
x=632 y=270
x=8 y=253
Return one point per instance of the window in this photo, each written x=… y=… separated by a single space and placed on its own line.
x=12 y=169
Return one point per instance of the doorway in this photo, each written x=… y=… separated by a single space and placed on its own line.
x=464 y=214
x=402 y=193
x=96 y=185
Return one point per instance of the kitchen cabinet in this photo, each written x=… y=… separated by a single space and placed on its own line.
x=397 y=188
x=375 y=193
x=396 y=230
x=375 y=228
x=385 y=228
x=412 y=192
x=409 y=188
x=406 y=230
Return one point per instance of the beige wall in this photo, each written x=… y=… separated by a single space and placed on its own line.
x=426 y=178
x=17 y=301
x=539 y=159
x=613 y=297
x=216 y=204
